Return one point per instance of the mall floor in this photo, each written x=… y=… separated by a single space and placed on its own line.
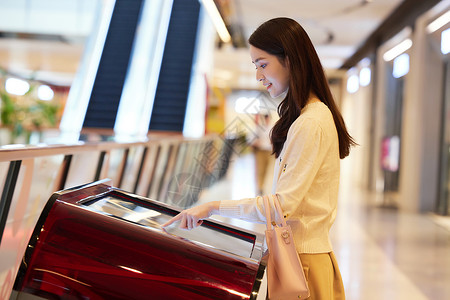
x=383 y=253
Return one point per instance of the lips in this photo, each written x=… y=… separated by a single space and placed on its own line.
x=268 y=86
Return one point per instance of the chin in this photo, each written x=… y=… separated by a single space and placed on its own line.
x=276 y=94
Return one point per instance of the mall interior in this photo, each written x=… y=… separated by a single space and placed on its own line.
x=116 y=114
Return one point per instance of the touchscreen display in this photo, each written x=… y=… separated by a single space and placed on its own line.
x=152 y=218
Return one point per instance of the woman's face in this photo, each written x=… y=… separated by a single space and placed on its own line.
x=273 y=74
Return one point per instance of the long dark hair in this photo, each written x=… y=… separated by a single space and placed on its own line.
x=286 y=39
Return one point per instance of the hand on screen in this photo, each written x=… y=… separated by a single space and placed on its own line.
x=193 y=217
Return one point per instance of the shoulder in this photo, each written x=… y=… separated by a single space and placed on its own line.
x=315 y=122
x=314 y=116
x=318 y=111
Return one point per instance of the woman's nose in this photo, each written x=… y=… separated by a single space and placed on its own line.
x=259 y=76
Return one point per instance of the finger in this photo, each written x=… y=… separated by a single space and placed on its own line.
x=190 y=222
x=183 y=223
x=196 y=222
x=174 y=219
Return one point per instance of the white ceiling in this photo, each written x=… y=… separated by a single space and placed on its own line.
x=348 y=22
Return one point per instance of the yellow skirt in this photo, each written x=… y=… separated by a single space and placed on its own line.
x=323 y=276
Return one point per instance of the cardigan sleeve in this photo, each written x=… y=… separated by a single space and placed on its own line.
x=248 y=209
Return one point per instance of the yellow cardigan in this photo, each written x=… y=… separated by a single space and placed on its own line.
x=306 y=181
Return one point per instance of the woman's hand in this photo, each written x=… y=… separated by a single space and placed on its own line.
x=193 y=217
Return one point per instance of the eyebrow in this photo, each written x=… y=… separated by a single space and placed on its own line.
x=258 y=59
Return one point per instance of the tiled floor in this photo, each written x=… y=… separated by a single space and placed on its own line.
x=382 y=253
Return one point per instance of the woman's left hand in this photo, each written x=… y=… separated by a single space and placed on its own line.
x=193 y=217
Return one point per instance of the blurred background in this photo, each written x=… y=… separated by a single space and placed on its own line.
x=124 y=68
x=75 y=71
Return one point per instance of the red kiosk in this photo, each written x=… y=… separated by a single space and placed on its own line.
x=99 y=242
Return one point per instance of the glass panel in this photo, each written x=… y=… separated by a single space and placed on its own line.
x=4 y=166
x=444 y=201
x=131 y=171
x=35 y=184
x=159 y=171
x=82 y=168
x=115 y=166
x=393 y=131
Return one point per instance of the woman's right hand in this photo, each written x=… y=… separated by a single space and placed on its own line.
x=194 y=216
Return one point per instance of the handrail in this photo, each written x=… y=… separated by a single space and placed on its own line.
x=19 y=152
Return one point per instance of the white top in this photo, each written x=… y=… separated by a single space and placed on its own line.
x=306 y=180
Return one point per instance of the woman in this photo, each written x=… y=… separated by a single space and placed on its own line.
x=308 y=140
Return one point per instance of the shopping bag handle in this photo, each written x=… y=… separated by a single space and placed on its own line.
x=278 y=211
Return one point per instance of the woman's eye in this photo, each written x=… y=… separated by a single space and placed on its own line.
x=263 y=66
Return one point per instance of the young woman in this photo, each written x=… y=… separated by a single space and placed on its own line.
x=308 y=140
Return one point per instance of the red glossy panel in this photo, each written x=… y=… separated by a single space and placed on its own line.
x=84 y=255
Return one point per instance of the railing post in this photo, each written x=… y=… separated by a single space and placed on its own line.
x=8 y=192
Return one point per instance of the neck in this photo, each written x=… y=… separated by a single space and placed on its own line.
x=313 y=99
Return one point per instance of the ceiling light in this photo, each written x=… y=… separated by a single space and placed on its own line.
x=353 y=84
x=401 y=66
x=439 y=22
x=216 y=18
x=397 y=50
x=365 y=62
x=445 y=41
x=364 y=76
